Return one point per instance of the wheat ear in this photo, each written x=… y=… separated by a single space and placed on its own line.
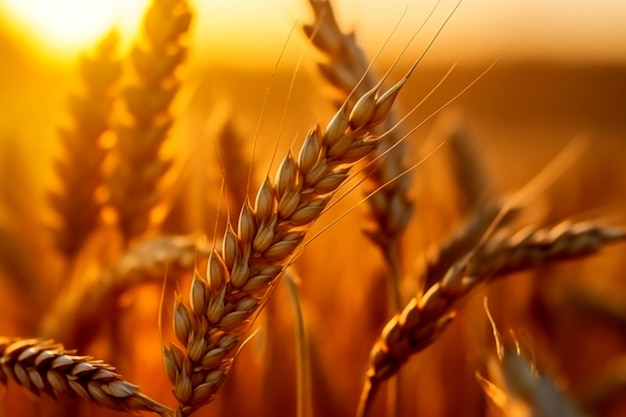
x=390 y=208
x=47 y=367
x=80 y=169
x=223 y=304
x=74 y=316
x=136 y=182
x=426 y=317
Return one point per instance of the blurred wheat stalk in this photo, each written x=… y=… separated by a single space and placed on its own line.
x=112 y=192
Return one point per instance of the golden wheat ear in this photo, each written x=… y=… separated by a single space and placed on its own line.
x=47 y=367
x=426 y=317
x=77 y=200
x=136 y=183
x=268 y=238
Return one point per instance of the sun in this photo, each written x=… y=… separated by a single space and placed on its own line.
x=61 y=27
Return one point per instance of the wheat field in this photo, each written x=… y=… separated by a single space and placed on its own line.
x=330 y=239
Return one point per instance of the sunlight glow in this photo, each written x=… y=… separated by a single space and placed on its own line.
x=559 y=29
x=62 y=27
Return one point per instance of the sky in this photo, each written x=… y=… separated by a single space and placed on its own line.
x=252 y=32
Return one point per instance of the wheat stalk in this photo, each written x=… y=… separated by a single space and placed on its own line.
x=252 y=258
x=303 y=361
x=76 y=313
x=80 y=169
x=47 y=367
x=390 y=207
x=426 y=317
x=136 y=181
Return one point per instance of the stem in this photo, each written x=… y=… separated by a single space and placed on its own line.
x=394 y=307
x=393 y=262
x=303 y=390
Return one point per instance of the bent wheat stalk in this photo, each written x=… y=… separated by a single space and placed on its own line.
x=426 y=317
x=268 y=236
x=47 y=367
x=75 y=315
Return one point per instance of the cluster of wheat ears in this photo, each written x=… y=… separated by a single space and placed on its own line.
x=116 y=173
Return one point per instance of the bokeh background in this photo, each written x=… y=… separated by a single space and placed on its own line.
x=561 y=75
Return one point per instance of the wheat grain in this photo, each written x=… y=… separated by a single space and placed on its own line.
x=136 y=181
x=424 y=318
x=80 y=169
x=47 y=367
x=504 y=253
x=255 y=256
